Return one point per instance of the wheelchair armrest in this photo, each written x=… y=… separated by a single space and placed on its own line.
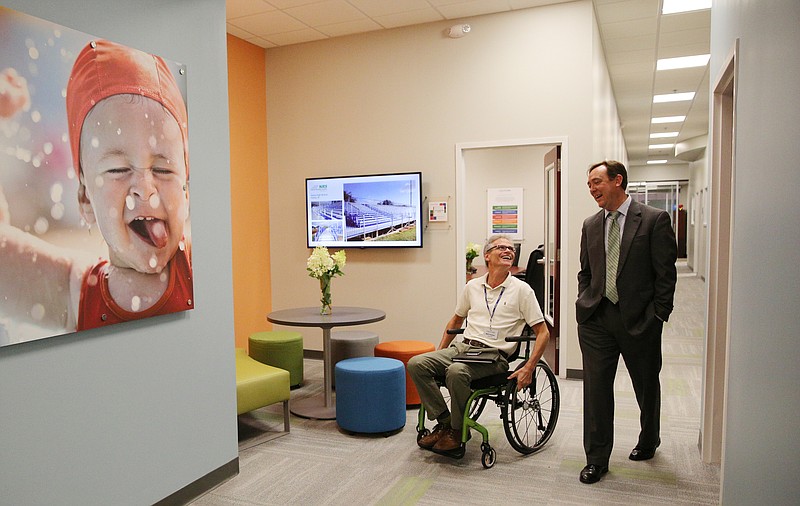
x=454 y=332
x=521 y=339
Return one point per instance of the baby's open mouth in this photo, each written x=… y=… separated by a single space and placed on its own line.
x=152 y=230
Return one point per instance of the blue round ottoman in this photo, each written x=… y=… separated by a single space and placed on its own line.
x=370 y=394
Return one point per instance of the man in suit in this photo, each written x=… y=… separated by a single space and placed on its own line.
x=626 y=287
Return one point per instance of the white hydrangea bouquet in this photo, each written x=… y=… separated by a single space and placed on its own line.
x=473 y=250
x=324 y=266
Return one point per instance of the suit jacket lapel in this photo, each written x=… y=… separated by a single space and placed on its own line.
x=632 y=222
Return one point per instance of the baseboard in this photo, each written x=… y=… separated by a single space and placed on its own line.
x=202 y=485
x=315 y=354
x=575 y=374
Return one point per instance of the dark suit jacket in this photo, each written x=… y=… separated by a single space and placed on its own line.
x=646 y=273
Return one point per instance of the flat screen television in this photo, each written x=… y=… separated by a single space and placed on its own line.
x=371 y=211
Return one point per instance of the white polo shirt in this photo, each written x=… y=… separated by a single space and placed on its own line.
x=505 y=308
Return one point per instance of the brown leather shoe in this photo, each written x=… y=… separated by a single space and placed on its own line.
x=427 y=442
x=448 y=441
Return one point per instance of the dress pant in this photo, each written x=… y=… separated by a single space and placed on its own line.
x=603 y=339
x=425 y=368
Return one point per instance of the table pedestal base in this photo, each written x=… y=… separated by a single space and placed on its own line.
x=313 y=407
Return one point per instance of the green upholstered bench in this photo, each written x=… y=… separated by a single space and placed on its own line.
x=259 y=385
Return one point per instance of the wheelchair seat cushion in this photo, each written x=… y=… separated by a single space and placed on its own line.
x=495 y=380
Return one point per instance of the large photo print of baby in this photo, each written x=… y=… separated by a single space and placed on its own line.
x=94 y=174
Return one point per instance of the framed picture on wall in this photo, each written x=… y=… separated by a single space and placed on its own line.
x=94 y=195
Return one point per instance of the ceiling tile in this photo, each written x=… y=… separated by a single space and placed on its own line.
x=374 y=8
x=326 y=13
x=349 y=28
x=296 y=37
x=641 y=56
x=685 y=21
x=238 y=8
x=409 y=18
x=269 y=23
x=634 y=28
x=473 y=8
x=627 y=43
x=627 y=10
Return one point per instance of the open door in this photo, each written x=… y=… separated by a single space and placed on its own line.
x=552 y=252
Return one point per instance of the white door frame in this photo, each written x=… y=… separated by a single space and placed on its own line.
x=461 y=168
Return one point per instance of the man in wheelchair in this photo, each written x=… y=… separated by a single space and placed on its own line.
x=494 y=306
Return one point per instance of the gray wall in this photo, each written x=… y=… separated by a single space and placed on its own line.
x=135 y=412
x=761 y=447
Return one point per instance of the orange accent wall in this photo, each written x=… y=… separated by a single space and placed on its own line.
x=247 y=103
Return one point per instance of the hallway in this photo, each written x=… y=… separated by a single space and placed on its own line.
x=318 y=464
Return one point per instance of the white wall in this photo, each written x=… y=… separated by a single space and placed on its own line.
x=505 y=167
x=760 y=456
x=132 y=413
x=401 y=100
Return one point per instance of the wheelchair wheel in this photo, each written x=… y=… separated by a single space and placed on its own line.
x=488 y=456
x=530 y=415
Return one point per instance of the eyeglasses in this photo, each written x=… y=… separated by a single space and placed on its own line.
x=501 y=247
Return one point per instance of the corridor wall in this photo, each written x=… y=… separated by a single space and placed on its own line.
x=133 y=413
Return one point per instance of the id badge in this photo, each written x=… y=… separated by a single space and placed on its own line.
x=491 y=335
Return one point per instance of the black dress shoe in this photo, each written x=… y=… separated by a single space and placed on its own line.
x=592 y=473
x=644 y=453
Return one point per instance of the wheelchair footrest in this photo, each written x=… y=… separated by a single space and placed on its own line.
x=457 y=453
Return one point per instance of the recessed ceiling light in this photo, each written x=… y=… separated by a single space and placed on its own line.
x=668 y=119
x=655 y=162
x=663 y=135
x=683 y=62
x=676 y=6
x=673 y=97
x=661 y=146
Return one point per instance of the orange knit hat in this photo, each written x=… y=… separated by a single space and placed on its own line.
x=103 y=69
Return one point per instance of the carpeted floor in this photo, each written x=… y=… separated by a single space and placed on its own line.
x=319 y=464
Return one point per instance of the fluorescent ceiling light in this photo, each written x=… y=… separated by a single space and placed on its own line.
x=655 y=162
x=661 y=146
x=676 y=6
x=683 y=62
x=673 y=97
x=664 y=135
x=668 y=119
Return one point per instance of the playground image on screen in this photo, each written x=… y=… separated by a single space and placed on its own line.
x=365 y=211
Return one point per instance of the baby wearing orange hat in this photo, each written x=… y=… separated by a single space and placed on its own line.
x=128 y=135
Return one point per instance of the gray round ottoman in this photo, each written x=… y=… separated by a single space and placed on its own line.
x=351 y=344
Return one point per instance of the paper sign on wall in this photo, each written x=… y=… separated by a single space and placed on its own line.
x=504 y=206
x=437 y=211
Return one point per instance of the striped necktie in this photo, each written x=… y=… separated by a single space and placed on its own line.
x=612 y=258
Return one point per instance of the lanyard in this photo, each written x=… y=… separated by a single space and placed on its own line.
x=486 y=299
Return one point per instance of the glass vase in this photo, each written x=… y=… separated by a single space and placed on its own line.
x=470 y=268
x=325 y=288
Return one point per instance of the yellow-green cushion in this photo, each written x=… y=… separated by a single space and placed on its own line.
x=257 y=384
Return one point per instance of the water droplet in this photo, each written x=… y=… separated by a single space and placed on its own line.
x=182 y=246
x=136 y=303
x=98 y=182
x=92 y=280
x=129 y=202
x=37 y=312
x=95 y=142
x=154 y=201
x=163 y=277
x=36 y=116
x=152 y=141
x=113 y=213
x=47 y=147
x=153 y=262
x=119 y=131
x=41 y=225
x=56 y=192
x=33 y=53
x=57 y=211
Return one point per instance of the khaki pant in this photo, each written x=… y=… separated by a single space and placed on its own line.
x=457 y=376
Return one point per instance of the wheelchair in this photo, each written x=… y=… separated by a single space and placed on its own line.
x=529 y=416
